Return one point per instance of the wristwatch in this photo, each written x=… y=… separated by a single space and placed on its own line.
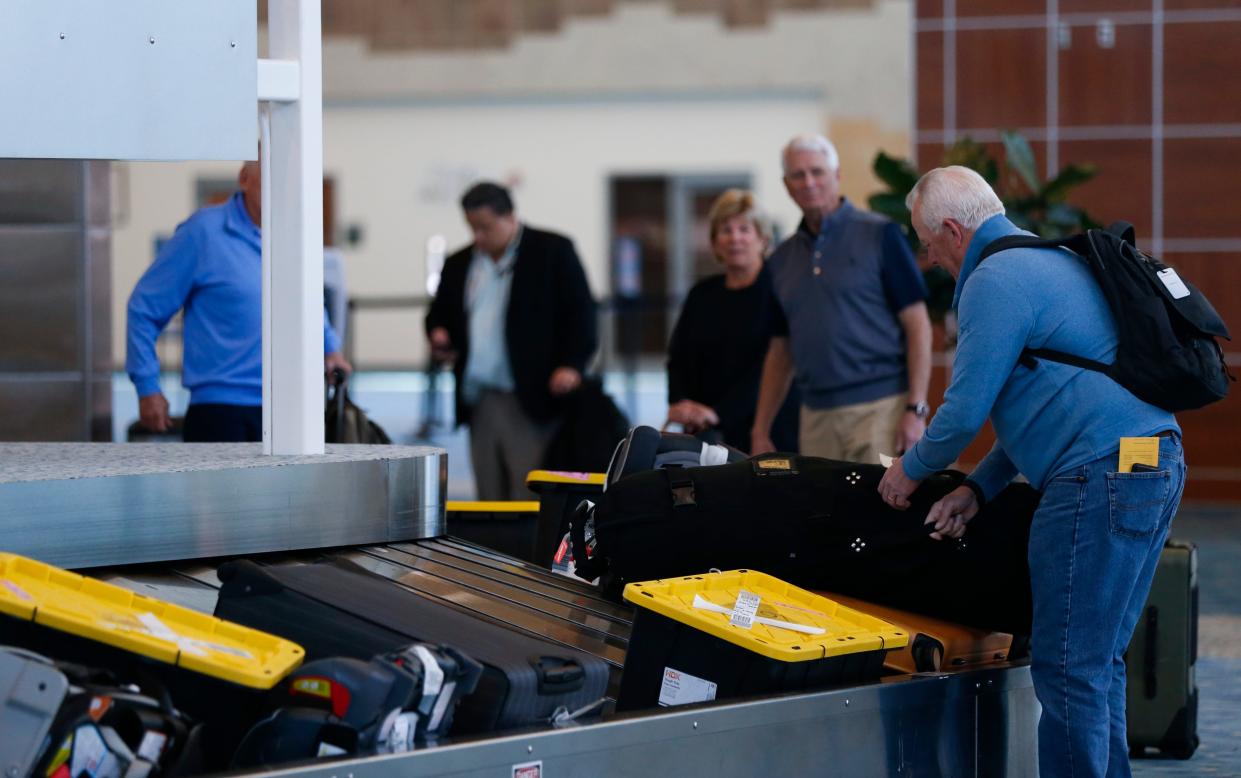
x=920 y=409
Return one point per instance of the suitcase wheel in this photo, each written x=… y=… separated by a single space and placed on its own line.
x=928 y=653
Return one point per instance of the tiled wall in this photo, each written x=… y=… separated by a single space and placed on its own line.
x=1149 y=93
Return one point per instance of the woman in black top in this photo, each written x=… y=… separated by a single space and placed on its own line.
x=715 y=358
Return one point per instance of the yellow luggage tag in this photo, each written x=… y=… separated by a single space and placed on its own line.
x=1138 y=451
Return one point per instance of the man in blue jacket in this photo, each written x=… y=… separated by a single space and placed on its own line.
x=1098 y=532
x=211 y=268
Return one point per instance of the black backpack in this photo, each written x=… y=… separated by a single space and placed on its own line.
x=1166 y=353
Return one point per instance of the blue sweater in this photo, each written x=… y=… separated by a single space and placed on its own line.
x=1048 y=418
x=211 y=267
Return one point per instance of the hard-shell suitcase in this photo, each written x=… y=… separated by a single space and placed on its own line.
x=338 y=609
x=934 y=644
x=819 y=524
x=31 y=692
x=1162 y=691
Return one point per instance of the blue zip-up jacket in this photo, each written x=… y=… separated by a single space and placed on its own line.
x=1048 y=418
x=211 y=267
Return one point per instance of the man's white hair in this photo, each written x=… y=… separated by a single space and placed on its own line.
x=812 y=142
x=956 y=193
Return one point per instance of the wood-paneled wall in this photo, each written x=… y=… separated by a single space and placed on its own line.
x=482 y=24
x=1148 y=93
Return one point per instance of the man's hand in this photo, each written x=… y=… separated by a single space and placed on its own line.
x=153 y=412
x=335 y=361
x=441 y=345
x=564 y=380
x=896 y=487
x=693 y=416
x=761 y=443
x=952 y=513
x=908 y=432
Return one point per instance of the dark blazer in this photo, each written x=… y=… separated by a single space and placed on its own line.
x=550 y=321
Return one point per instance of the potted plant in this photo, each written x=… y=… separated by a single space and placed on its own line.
x=1032 y=203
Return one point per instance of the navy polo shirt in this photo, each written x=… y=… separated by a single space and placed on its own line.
x=840 y=292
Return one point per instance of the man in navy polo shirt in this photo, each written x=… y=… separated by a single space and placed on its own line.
x=856 y=334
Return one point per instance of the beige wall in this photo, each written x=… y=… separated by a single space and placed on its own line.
x=641 y=91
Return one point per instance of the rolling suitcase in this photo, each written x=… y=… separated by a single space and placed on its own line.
x=338 y=609
x=1162 y=692
x=934 y=644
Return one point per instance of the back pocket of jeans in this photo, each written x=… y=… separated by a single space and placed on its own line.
x=1136 y=501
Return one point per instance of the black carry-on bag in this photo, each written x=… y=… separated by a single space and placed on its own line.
x=1162 y=692
x=338 y=609
x=345 y=422
x=816 y=523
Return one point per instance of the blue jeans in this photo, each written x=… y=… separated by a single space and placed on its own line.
x=1094 y=544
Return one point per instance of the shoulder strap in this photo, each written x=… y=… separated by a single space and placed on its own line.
x=1078 y=244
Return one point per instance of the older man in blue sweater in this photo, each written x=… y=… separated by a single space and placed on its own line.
x=211 y=268
x=1098 y=532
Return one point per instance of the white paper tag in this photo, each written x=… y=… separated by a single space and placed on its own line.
x=89 y=751
x=152 y=746
x=441 y=706
x=404 y=730
x=886 y=460
x=1174 y=283
x=327 y=749
x=744 y=610
x=680 y=688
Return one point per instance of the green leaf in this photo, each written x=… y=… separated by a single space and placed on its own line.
x=1072 y=175
x=897 y=173
x=1020 y=158
x=890 y=205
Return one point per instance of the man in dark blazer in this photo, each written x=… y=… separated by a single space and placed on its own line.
x=515 y=316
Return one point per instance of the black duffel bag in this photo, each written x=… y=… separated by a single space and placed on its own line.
x=819 y=524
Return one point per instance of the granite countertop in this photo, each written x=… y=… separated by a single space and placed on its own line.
x=21 y=462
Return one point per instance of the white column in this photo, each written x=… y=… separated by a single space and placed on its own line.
x=293 y=231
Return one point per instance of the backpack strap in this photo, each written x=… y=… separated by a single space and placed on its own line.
x=1079 y=245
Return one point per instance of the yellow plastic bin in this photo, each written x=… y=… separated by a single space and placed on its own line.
x=694 y=640
x=507 y=526
x=216 y=671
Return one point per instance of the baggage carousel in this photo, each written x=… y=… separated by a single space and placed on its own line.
x=975 y=722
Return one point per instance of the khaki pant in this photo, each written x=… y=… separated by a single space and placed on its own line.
x=853 y=433
x=505 y=445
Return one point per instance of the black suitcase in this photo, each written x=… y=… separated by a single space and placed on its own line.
x=337 y=609
x=1162 y=693
x=819 y=524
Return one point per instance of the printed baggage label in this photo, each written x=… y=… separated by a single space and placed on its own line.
x=680 y=688
x=744 y=610
x=528 y=770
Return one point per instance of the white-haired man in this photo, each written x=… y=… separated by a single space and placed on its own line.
x=854 y=327
x=1097 y=534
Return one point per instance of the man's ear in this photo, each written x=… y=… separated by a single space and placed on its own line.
x=955 y=231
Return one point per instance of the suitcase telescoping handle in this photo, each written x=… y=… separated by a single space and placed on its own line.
x=557 y=674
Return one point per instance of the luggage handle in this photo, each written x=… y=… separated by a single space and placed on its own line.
x=584 y=566
x=558 y=675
